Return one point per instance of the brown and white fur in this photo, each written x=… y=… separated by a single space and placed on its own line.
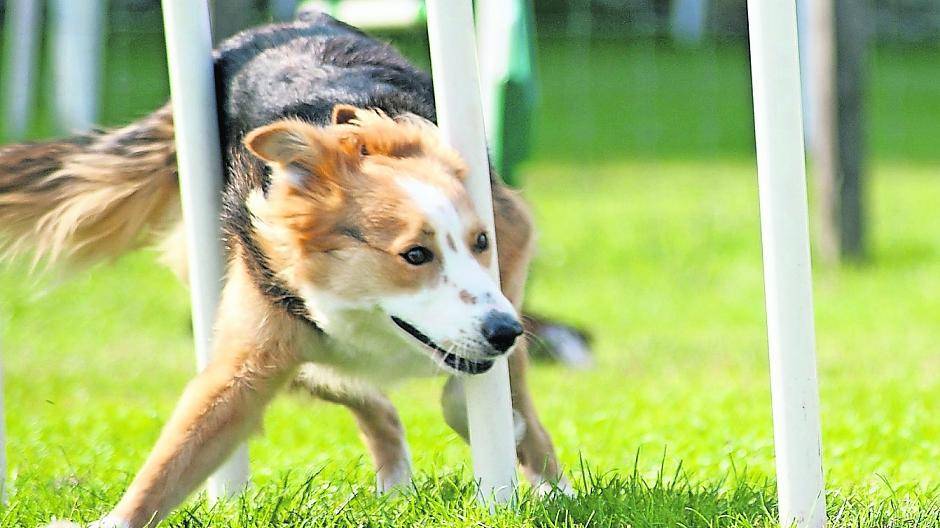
x=345 y=202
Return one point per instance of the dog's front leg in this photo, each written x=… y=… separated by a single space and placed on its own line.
x=218 y=410
x=255 y=352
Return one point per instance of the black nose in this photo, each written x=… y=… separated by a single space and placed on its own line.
x=501 y=330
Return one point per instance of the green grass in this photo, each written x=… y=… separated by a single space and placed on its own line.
x=646 y=202
x=660 y=260
x=652 y=100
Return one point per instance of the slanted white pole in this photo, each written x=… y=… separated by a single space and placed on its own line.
x=688 y=20
x=804 y=33
x=198 y=156
x=77 y=33
x=22 y=40
x=283 y=10
x=787 y=274
x=460 y=117
x=3 y=437
x=21 y=32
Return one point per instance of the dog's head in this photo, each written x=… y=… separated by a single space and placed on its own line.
x=370 y=221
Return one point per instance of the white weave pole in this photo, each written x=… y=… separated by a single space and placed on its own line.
x=21 y=35
x=787 y=275
x=283 y=10
x=460 y=117
x=804 y=33
x=77 y=35
x=3 y=436
x=198 y=157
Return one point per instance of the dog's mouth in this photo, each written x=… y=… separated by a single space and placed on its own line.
x=453 y=361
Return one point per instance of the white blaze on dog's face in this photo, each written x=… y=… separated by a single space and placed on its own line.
x=460 y=313
x=370 y=221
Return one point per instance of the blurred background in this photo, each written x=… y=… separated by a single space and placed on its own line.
x=630 y=78
x=628 y=126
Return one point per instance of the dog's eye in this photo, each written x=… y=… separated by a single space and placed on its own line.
x=482 y=243
x=418 y=255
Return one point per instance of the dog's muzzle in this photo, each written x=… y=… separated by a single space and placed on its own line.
x=460 y=364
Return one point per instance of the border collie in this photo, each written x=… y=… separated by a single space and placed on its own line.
x=355 y=257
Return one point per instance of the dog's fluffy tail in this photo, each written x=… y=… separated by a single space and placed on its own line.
x=90 y=197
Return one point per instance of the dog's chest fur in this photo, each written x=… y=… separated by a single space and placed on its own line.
x=358 y=346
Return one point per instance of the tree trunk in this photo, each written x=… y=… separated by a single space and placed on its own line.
x=839 y=38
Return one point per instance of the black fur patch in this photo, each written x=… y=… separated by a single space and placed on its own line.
x=300 y=70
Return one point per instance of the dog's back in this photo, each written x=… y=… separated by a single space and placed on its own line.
x=304 y=68
x=98 y=195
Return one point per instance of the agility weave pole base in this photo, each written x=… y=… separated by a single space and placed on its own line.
x=199 y=160
x=460 y=117
x=788 y=289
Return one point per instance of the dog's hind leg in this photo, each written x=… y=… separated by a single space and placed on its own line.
x=535 y=451
x=514 y=234
x=380 y=427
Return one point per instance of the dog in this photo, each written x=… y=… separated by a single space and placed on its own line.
x=355 y=257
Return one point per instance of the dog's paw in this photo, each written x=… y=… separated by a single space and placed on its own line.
x=104 y=522
x=392 y=484
x=562 y=487
x=394 y=480
x=110 y=521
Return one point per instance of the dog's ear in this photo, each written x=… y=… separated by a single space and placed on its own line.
x=344 y=113
x=278 y=142
x=304 y=155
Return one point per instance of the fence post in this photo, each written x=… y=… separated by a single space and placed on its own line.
x=460 y=117
x=192 y=85
x=787 y=273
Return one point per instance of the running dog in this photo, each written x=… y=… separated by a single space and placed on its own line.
x=355 y=257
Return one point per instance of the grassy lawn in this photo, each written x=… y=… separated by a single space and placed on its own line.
x=649 y=238
x=660 y=260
